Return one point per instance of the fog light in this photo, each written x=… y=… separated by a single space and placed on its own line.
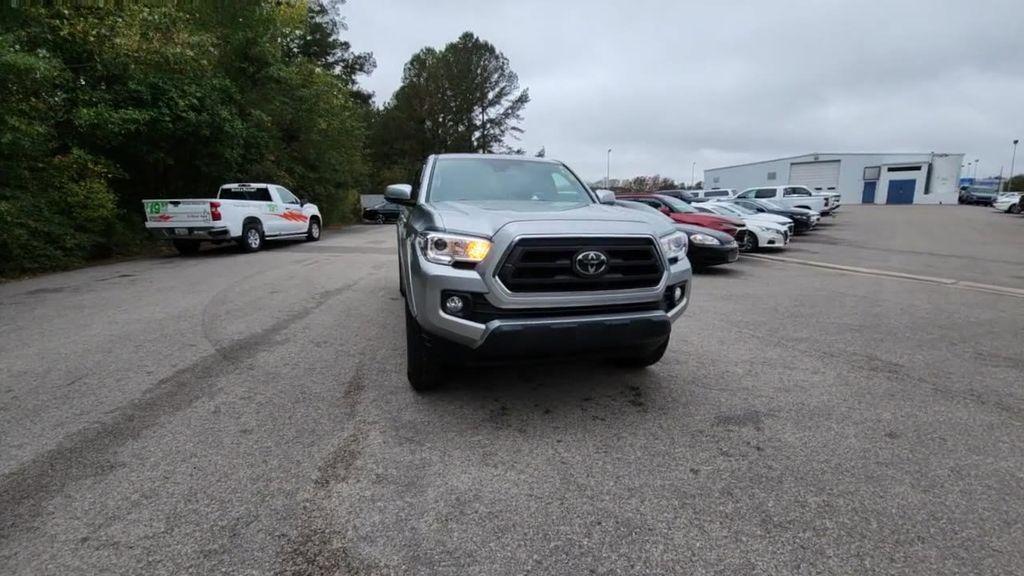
x=453 y=305
x=677 y=294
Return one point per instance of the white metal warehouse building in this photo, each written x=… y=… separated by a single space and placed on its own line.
x=861 y=178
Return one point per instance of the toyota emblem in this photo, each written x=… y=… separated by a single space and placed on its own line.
x=590 y=264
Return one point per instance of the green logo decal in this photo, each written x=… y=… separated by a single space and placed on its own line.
x=155 y=207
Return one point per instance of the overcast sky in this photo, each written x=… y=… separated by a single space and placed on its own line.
x=666 y=84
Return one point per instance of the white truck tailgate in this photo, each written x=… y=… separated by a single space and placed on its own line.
x=172 y=213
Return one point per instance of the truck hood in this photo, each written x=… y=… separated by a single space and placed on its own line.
x=486 y=218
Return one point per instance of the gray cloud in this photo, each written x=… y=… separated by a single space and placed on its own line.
x=666 y=84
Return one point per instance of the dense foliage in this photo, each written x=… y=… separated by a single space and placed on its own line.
x=102 y=107
x=649 y=184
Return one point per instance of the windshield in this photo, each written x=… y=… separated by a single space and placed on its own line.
x=258 y=194
x=677 y=205
x=496 y=179
x=737 y=209
x=723 y=210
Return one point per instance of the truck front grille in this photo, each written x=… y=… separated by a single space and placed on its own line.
x=546 y=265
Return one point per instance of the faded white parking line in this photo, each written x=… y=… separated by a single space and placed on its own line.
x=953 y=283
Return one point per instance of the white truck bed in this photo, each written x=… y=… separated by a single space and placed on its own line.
x=271 y=209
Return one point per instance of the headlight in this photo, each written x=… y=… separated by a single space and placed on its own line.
x=704 y=240
x=674 y=245
x=447 y=248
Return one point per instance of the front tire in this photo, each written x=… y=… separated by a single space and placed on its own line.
x=313 y=234
x=423 y=367
x=186 y=247
x=252 y=238
x=749 y=242
x=380 y=219
x=1014 y=208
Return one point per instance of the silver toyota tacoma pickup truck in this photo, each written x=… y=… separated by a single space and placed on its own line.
x=511 y=256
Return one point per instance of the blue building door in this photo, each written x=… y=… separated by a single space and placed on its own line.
x=869 y=192
x=901 y=192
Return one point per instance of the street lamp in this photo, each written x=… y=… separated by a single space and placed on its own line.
x=1012 y=160
x=693 y=182
x=976 y=168
x=608 y=169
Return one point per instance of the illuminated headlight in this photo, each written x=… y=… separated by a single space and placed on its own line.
x=704 y=240
x=448 y=248
x=674 y=245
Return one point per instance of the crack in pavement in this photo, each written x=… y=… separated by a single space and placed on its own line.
x=319 y=545
x=89 y=452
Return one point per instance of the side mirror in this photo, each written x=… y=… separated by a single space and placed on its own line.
x=399 y=194
x=605 y=196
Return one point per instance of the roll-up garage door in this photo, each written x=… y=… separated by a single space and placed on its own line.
x=818 y=176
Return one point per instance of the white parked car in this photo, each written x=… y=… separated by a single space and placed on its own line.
x=713 y=194
x=792 y=196
x=1007 y=202
x=763 y=230
x=245 y=213
x=730 y=209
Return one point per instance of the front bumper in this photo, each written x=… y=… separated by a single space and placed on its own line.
x=801 y=226
x=574 y=336
x=771 y=238
x=713 y=255
x=523 y=327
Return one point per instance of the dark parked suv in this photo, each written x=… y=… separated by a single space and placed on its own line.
x=978 y=195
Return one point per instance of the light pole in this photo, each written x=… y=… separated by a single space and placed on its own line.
x=1012 y=160
x=693 y=183
x=976 y=170
x=608 y=169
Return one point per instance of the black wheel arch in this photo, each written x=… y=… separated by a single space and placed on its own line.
x=253 y=220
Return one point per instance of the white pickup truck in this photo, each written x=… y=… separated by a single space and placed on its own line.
x=245 y=213
x=793 y=196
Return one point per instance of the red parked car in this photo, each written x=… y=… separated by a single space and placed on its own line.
x=683 y=213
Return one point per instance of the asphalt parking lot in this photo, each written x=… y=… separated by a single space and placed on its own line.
x=971 y=243
x=249 y=414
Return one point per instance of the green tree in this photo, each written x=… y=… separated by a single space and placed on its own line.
x=462 y=98
x=106 y=106
x=648 y=184
x=320 y=41
x=55 y=202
